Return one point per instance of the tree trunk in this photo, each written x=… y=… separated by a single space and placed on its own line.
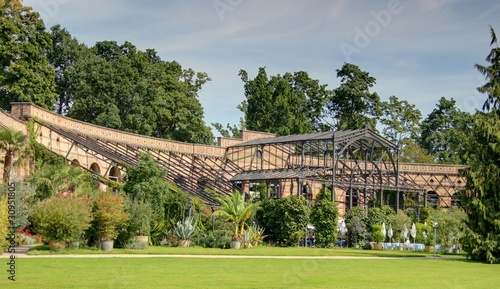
x=7 y=167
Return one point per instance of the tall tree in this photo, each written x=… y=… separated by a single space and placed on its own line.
x=25 y=73
x=145 y=183
x=121 y=87
x=66 y=51
x=15 y=146
x=443 y=131
x=352 y=105
x=401 y=120
x=481 y=200
x=283 y=104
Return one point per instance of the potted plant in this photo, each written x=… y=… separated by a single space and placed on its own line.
x=109 y=213
x=140 y=219
x=61 y=219
x=247 y=239
x=377 y=237
x=184 y=230
x=236 y=210
x=429 y=239
x=257 y=234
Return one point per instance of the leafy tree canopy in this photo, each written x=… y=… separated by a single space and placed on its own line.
x=352 y=105
x=283 y=104
x=481 y=200
x=443 y=131
x=25 y=73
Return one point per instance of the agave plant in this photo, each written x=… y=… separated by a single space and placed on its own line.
x=257 y=234
x=184 y=229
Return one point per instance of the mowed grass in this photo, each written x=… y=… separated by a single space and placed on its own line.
x=249 y=273
x=254 y=251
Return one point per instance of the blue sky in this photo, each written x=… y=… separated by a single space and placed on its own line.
x=418 y=50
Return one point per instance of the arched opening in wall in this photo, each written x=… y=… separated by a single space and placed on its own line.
x=432 y=199
x=94 y=167
x=75 y=162
x=115 y=174
x=455 y=199
x=180 y=181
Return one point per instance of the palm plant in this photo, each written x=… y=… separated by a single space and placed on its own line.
x=61 y=179
x=235 y=209
x=14 y=144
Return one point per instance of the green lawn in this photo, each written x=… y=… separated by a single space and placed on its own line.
x=250 y=273
x=255 y=251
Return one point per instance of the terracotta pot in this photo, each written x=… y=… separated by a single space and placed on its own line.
x=429 y=248
x=143 y=239
x=235 y=244
x=107 y=245
x=55 y=245
x=184 y=243
x=378 y=246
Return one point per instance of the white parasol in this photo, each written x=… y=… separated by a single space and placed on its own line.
x=384 y=231
x=413 y=232
x=405 y=232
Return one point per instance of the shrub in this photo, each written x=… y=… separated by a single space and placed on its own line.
x=217 y=239
x=109 y=213
x=355 y=220
x=377 y=235
x=61 y=218
x=136 y=245
x=284 y=219
x=4 y=223
x=324 y=215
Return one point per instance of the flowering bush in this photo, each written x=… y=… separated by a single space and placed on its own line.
x=26 y=238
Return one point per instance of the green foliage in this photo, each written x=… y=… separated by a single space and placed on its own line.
x=24 y=200
x=355 y=220
x=298 y=99
x=352 y=105
x=401 y=120
x=481 y=200
x=15 y=146
x=139 y=223
x=158 y=231
x=424 y=238
x=216 y=239
x=378 y=216
x=61 y=218
x=25 y=73
x=443 y=132
x=121 y=87
x=109 y=215
x=284 y=219
x=185 y=229
x=4 y=222
x=413 y=152
x=235 y=209
x=377 y=235
x=60 y=179
x=398 y=221
x=257 y=234
x=136 y=245
x=324 y=216
x=144 y=182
